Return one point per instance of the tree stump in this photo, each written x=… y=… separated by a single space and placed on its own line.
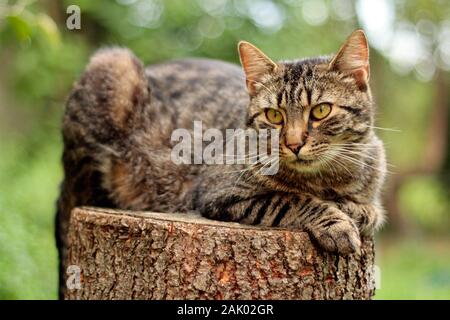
x=139 y=255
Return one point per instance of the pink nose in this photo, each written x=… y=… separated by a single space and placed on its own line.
x=295 y=140
x=295 y=147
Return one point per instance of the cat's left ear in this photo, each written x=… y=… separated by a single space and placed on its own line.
x=353 y=58
x=255 y=63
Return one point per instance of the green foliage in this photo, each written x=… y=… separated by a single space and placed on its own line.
x=22 y=23
x=427 y=202
x=27 y=202
x=414 y=268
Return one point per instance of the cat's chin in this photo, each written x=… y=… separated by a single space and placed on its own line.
x=306 y=166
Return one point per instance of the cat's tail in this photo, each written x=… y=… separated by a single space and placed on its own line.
x=109 y=95
x=102 y=109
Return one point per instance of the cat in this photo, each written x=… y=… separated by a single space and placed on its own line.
x=120 y=116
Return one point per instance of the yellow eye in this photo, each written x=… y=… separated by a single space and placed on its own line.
x=274 y=116
x=321 y=111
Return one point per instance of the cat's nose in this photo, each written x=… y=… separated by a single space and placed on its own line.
x=295 y=140
x=295 y=147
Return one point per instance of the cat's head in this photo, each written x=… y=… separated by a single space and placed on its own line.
x=322 y=106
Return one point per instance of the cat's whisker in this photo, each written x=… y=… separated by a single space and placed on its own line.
x=363 y=154
x=239 y=177
x=242 y=158
x=244 y=154
x=369 y=157
x=340 y=164
x=355 y=145
x=269 y=162
x=360 y=163
x=324 y=160
x=334 y=170
x=356 y=148
x=247 y=168
x=354 y=161
x=319 y=171
x=357 y=152
x=252 y=166
x=385 y=129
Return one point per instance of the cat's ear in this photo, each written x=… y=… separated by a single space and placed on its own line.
x=255 y=63
x=353 y=58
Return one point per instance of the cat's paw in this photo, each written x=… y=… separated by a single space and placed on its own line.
x=341 y=237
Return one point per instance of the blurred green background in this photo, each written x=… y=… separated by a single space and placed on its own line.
x=40 y=58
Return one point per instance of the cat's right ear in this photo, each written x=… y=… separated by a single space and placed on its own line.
x=255 y=64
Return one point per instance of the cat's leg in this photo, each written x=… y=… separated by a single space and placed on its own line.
x=145 y=178
x=333 y=229
x=368 y=217
x=330 y=227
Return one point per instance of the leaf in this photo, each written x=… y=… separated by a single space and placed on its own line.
x=49 y=29
x=21 y=27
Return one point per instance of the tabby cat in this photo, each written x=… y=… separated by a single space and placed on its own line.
x=120 y=116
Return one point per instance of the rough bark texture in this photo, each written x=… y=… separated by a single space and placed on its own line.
x=136 y=255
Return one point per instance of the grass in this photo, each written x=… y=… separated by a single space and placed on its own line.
x=416 y=268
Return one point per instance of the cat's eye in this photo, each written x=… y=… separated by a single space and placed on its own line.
x=274 y=116
x=321 y=111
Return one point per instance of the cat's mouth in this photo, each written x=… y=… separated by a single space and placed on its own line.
x=301 y=161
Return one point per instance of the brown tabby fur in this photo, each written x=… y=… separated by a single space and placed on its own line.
x=120 y=116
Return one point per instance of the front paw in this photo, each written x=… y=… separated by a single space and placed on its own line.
x=340 y=236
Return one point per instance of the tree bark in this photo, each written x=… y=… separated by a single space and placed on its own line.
x=137 y=255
